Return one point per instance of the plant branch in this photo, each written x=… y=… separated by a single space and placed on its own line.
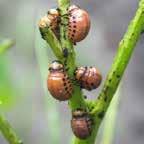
x=110 y=119
x=8 y=132
x=51 y=39
x=5 y=127
x=6 y=44
x=125 y=50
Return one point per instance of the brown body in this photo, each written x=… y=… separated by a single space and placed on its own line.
x=51 y=20
x=79 y=24
x=88 y=77
x=81 y=124
x=59 y=84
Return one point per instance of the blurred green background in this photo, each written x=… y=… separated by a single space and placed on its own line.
x=24 y=100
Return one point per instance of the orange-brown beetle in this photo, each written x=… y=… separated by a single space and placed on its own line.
x=58 y=82
x=79 y=24
x=51 y=20
x=81 y=124
x=88 y=77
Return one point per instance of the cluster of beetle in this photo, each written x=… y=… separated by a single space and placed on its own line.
x=59 y=84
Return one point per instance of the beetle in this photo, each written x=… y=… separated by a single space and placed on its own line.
x=81 y=124
x=79 y=23
x=88 y=77
x=51 y=20
x=58 y=82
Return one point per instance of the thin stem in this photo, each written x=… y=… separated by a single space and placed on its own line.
x=5 y=127
x=51 y=39
x=8 y=132
x=125 y=50
x=5 y=45
x=110 y=119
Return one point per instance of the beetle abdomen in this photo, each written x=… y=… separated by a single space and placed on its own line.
x=79 y=24
x=81 y=124
x=59 y=86
x=88 y=77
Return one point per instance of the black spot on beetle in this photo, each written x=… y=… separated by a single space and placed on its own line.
x=92 y=84
x=69 y=85
x=65 y=84
x=74 y=17
x=66 y=88
x=64 y=79
x=86 y=67
x=74 y=31
x=74 y=26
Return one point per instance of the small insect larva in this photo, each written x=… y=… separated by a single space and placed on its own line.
x=58 y=83
x=81 y=124
x=88 y=77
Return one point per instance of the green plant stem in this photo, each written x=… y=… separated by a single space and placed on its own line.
x=125 y=50
x=6 y=44
x=5 y=127
x=110 y=119
x=53 y=42
x=8 y=132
